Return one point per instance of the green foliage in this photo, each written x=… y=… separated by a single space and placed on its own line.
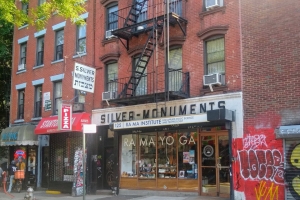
x=39 y=15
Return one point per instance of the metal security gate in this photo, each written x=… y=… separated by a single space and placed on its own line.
x=62 y=151
x=292 y=168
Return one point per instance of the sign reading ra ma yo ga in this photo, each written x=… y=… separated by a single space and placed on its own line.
x=84 y=78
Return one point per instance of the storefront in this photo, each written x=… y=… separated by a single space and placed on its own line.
x=183 y=146
x=291 y=136
x=59 y=158
x=23 y=148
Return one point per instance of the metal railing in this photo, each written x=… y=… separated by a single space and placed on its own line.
x=152 y=83
x=153 y=9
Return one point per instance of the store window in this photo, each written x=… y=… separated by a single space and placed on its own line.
x=129 y=156
x=147 y=155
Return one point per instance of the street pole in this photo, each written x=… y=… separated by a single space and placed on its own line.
x=84 y=165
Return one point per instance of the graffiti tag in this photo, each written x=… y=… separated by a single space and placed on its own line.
x=264 y=192
x=254 y=141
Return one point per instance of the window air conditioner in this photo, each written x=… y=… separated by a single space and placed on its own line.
x=78 y=107
x=108 y=34
x=21 y=67
x=108 y=95
x=210 y=4
x=214 y=79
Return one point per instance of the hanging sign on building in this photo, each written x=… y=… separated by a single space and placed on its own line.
x=65 y=117
x=84 y=78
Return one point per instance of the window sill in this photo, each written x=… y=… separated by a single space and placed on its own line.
x=22 y=27
x=216 y=90
x=21 y=71
x=36 y=119
x=106 y=41
x=19 y=121
x=215 y=10
x=57 y=61
x=39 y=66
x=79 y=55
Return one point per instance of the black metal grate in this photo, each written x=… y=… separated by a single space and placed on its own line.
x=62 y=151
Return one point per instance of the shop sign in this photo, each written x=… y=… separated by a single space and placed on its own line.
x=84 y=78
x=163 y=140
x=20 y=153
x=208 y=150
x=161 y=121
x=65 y=118
x=288 y=131
x=9 y=136
x=47 y=105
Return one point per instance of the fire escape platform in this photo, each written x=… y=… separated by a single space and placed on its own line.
x=138 y=28
x=149 y=98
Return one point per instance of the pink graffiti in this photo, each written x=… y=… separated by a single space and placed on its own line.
x=252 y=142
x=262 y=165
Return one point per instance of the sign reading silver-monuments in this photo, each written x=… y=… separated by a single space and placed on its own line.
x=84 y=78
x=161 y=121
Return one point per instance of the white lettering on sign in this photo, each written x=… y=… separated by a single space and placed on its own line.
x=84 y=78
x=162 y=121
x=66 y=116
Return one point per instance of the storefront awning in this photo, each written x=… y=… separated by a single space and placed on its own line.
x=49 y=125
x=19 y=135
x=288 y=131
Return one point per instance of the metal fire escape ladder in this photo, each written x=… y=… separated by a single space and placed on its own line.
x=141 y=64
x=134 y=13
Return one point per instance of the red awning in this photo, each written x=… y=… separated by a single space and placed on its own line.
x=49 y=125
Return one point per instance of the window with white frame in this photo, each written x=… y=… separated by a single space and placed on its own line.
x=59 y=47
x=40 y=51
x=211 y=4
x=112 y=77
x=21 y=98
x=215 y=56
x=112 y=17
x=175 y=69
x=38 y=101
x=41 y=2
x=81 y=38
x=23 y=53
x=57 y=92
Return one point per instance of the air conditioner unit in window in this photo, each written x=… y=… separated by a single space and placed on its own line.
x=108 y=95
x=108 y=34
x=210 y=4
x=78 y=107
x=21 y=67
x=214 y=79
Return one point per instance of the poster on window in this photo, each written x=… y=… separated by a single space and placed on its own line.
x=186 y=157
x=192 y=157
x=78 y=173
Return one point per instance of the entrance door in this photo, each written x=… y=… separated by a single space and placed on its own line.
x=214 y=164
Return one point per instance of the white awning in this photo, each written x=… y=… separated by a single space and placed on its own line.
x=19 y=135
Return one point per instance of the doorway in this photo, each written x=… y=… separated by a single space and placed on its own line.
x=214 y=166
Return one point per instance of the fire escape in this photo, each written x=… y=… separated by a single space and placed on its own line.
x=134 y=24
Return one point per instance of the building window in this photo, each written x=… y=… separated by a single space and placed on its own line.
x=79 y=96
x=81 y=38
x=175 y=69
x=59 y=47
x=211 y=4
x=57 y=96
x=41 y=2
x=141 y=88
x=215 y=57
x=144 y=10
x=21 y=98
x=38 y=101
x=23 y=51
x=25 y=7
x=40 y=51
x=175 y=6
x=112 y=77
x=112 y=18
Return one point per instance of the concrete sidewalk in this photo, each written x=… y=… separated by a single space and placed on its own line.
x=42 y=195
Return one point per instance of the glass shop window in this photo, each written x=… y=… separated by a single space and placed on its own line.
x=129 y=155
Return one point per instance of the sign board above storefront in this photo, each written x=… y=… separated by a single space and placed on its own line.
x=84 y=78
x=19 y=135
x=288 y=132
x=161 y=121
x=89 y=128
x=64 y=117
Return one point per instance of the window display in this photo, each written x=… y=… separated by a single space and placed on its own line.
x=129 y=156
x=147 y=155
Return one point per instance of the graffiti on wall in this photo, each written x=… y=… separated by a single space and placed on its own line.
x=265 y=191
x=293 y=171
x=259 y=162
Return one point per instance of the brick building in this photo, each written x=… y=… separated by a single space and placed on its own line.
x=188 y=97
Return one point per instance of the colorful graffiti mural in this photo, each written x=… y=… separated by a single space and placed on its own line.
x=259 y=164
x=292 y=173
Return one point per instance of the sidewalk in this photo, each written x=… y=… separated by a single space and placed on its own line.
x=42 y=195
